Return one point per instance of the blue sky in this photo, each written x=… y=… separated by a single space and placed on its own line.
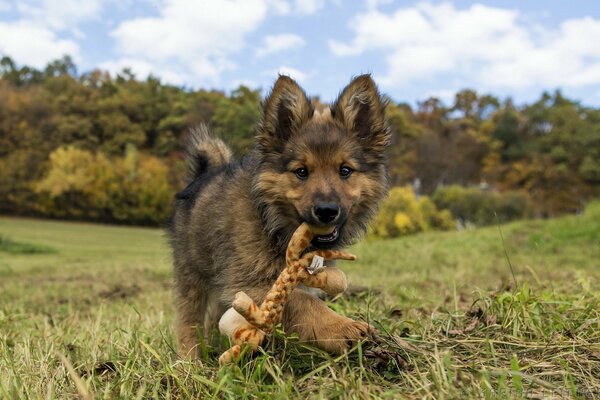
x=415 y=49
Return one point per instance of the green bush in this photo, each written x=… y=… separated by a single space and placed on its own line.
x=402 y=213
x=85 y=185
x=480 y=207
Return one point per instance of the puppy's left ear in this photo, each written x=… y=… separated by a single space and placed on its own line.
x=361 y=109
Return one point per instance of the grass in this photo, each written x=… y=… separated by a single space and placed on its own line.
x=93 y=318
x=10 y=246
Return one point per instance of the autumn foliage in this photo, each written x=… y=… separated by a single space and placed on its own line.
x=93 y=146
x=402 y=213
x=92 y=186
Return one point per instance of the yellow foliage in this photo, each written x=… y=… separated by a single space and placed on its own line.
x=403 y=223
x=82 y=184
x=68 y=171
x=402 y=213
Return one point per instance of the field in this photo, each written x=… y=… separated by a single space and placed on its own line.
x=506 y=311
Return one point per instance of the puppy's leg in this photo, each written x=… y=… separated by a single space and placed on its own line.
x=317 y=324
x=197 y=314
x=186 y=329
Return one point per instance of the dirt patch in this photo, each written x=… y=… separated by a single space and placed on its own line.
x=120 y=292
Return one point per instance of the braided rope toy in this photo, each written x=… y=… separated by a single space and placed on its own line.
x=247 y=324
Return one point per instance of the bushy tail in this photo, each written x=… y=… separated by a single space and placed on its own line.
x=204 y=152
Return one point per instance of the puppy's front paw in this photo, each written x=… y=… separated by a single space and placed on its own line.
x=342 y=334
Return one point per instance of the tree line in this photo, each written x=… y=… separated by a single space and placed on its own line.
x=97 y=147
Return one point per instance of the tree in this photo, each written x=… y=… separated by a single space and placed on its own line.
x=403 y=148
x=508 y=132
x=470 y=105
x=60 y=67
x=235 y=118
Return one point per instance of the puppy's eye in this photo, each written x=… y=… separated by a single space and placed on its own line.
x=301 y=173
x=345 y=171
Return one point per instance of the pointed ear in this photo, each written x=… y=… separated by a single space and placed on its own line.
x=286 y=109
x=361 y=109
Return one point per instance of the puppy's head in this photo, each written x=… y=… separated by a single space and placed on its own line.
x=324 y=167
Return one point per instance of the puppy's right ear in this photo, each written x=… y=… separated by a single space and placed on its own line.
x=286 y=109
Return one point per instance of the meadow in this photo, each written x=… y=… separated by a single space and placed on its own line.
x=509 y=311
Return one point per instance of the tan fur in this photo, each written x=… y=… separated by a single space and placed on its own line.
x=234 y=220
x=323 y=115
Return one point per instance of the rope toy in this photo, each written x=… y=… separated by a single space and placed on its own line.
x=247 y=324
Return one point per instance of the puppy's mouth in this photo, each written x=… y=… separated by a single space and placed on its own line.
x=326 y=239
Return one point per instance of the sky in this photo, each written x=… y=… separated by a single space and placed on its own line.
x=414 y=49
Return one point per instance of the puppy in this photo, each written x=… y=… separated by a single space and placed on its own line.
x=233 y=221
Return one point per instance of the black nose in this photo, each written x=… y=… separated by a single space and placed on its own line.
x=326 y=212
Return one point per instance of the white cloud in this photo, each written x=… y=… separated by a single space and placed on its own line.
x=375 y=3
x=293 y=73
x=200 y=35
x=33 y=38
x=60 y=15
x=142 y=69
x=277 y=43
x=280 y=6
x=28 y=43
x=486 y=46
x=308 y=6
x=301 y=7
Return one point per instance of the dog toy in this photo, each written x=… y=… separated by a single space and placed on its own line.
x=247 y=324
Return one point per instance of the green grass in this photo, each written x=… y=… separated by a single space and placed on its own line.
x=10 y=246
x=92 y=317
